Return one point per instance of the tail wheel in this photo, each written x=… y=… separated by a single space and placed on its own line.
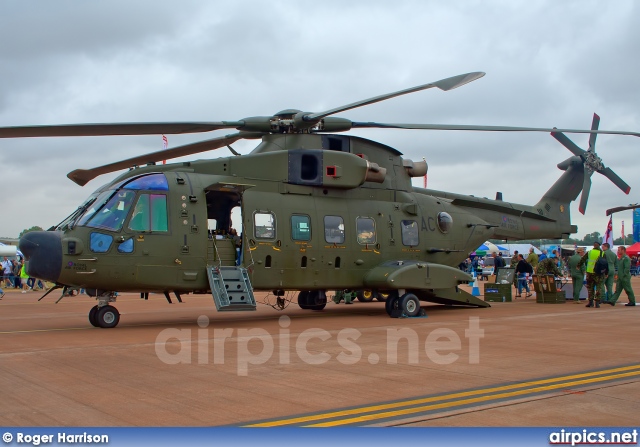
x=366 y=296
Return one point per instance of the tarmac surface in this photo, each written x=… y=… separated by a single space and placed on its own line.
x=185 y=364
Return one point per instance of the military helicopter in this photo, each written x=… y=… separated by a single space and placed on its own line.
x=319 y=211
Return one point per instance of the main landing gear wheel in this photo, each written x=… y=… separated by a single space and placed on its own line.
x=392 y=303
x=312 y=299
x=317 y=299
x=410 y=305
x=303 y=297
x=366 y=296
x=107 y=317
x=382 y=296
x=92 y=316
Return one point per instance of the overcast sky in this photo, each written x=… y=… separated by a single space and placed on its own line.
x=548 y=63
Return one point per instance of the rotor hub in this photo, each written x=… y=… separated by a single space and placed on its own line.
x=593 y=162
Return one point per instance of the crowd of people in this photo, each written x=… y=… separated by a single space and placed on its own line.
x=604 y=285
x=15 y=277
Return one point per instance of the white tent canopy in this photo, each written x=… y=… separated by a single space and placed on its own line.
x=9 y=250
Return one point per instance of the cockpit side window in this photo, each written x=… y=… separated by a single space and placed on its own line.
x=112 y=215
x=150 y=213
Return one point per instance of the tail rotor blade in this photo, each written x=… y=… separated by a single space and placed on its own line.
x=608 y=173
x=566 y=142
x=594 y=126
x=586 y=187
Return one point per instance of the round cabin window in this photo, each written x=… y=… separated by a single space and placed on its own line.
x=445 y=222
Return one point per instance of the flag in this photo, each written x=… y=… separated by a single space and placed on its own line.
x=608 y=235
x=165 y=145
x=622 y=231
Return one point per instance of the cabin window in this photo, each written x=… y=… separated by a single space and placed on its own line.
x=126 y=246
x=100 y=243
x=334 y=229
x=409 y=232
x=366 y=229
x=109 y=215
x=300 y=228
x=150 y=213
x=264 y=225
x=445 y=222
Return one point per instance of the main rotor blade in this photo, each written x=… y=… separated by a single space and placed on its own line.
x=594 y=126
x=566 y=142
x=97 y=129
x=586 y=187
x=83 y=176
x=443 y=84
x=622 y=208
x=608 y=173
x=486 y=128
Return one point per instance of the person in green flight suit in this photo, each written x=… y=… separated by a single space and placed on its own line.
x=624 y=279
x=612 y=260
x=577 y=273
x=595 y=282
x=532 y=258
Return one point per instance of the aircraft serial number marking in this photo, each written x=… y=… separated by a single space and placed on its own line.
x=429 y=224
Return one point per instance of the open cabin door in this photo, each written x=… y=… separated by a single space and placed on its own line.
x=225 y=229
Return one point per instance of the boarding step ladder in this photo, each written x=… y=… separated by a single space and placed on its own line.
x=231 y=288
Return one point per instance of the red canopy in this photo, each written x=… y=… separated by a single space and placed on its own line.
x=634 y=249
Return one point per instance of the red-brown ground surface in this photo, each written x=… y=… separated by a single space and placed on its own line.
x=160 y=368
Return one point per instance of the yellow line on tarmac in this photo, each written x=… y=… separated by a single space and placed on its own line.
x=378 y=411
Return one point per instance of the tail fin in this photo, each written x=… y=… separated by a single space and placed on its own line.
x=555 y=203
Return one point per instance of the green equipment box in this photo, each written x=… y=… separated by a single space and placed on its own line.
x=497 y=292
x=551 y=297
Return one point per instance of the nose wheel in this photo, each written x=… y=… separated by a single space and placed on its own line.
x=104 y=317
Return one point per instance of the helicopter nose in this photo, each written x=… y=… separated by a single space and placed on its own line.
x=43 y=250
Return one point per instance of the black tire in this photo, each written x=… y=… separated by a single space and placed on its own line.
x=92 y=316
x=107 y=317
x=366 y=296
x=410 y=305
x=303 y=299
x=317 y=299
x=392 y=303
x=382 y=296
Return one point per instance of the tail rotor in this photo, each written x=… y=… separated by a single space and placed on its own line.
x=591 y=163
